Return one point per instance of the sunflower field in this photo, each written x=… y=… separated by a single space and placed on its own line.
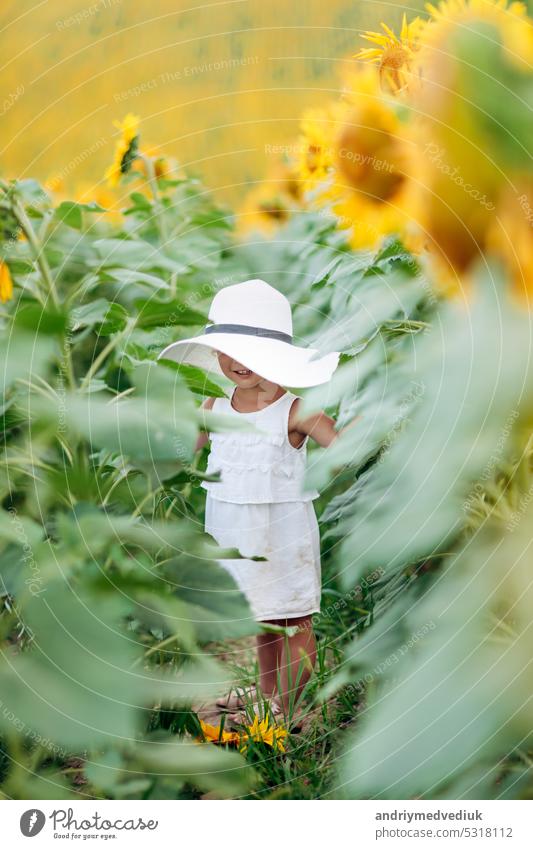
x=400 y=225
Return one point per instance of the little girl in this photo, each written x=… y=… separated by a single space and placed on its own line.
x=259 y=506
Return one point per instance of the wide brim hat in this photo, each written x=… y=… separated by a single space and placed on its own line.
x=252 y=323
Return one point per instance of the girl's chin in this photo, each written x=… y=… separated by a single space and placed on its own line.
x=241 y=380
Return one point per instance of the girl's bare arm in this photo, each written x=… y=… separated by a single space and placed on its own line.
x=319 y=426
x=203 y=438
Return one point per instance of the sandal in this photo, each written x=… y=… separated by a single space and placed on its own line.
x=237 y=699
x=270 y=708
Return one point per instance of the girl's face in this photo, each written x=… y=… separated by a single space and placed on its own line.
x=236 y=372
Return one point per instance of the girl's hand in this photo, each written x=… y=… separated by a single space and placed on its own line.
x=319 y=426
x=203 y=438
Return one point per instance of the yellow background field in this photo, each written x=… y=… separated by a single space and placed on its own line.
x=216 y=84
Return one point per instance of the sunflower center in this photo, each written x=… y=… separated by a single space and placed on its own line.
x=368 y=158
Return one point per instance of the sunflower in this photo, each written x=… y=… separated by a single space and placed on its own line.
x=393 y=54
x=125 y=148
x=213 y=734
x=356 y=160
x=264 y=209
x=164 y=167
x=366 y=223
x=56 y=185
x=369 y=149
x=461 y=169
x=6 y=283
x=375 y=158
x=262 y=732
x=87 y=191
x=286 y=177
x=270 y=203
x=314 y=161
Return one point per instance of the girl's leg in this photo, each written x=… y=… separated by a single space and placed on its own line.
x=287 y=660
x=297 y=659
x=269 y=653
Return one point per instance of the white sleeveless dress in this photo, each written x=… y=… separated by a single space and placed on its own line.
x=260 y=507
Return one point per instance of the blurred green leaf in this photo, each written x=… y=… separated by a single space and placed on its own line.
x=458 y=694
x=135 y=254
x=69 y=213
x=140 y=201
x=31 y=316
x=148 y=430
x=132 y=276
x=108 y=317
x=217 y=608
x=31 y=192
x=471 y=382
x=152 y=313
x=211 y=768
x=24 y=355
x=78 y=696
x=105 y=771
x=195 y=379
x=497 y=92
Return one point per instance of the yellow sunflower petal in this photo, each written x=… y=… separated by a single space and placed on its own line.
x=124 y=148
x=389 y=32
x=6 y=283
x=368 y=53
x=376 y=38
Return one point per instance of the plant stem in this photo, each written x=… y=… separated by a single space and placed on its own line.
x=160 y=213
x=96 y=363
x=162 y=645
x=20 y=214
x=140 y=505
x=112 y=488
x=157 y=647
x=152 y=182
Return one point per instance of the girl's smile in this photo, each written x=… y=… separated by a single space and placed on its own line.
x=237 y=371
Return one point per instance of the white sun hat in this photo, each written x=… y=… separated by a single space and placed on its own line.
x=252 y=323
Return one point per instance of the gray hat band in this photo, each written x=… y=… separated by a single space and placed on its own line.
x=249 y=330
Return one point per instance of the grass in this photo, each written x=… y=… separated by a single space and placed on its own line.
x=307 y=769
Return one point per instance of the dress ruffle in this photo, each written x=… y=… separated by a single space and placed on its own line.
x=258 y=466
x=242 y=439
x=264 y=468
